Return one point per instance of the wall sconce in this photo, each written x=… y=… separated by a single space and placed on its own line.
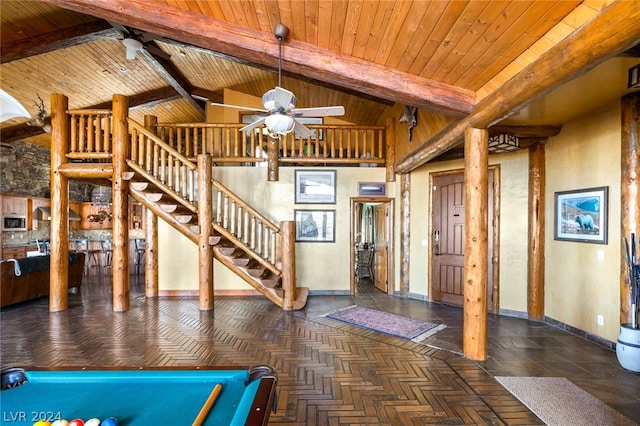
x=503 y=143
x=634 y=77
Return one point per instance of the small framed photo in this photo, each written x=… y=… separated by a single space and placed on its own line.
x=581 y=215
x=315 y=186
x=317 y=226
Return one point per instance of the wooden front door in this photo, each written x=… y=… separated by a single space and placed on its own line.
x=447 y=239
x=381 y=258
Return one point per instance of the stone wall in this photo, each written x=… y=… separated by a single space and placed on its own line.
x=25 y=170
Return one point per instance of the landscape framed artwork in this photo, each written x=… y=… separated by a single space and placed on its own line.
x=581 y=215
x=317 y=226
x=315 y=186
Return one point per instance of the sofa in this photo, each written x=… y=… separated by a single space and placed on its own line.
x=28 y=278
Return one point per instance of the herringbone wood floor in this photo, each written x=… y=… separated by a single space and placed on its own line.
x=330 y=373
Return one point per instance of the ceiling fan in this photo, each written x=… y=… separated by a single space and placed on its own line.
x=280 y=112
x=135 y=41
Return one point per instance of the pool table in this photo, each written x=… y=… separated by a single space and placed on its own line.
x=139 y=396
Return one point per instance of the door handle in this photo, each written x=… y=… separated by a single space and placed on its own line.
x=436 y=245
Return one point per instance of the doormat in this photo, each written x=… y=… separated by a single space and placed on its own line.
x=558 y=402
x=384 y=322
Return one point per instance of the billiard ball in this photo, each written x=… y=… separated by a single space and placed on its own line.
x=42 y=423
x=76 y=422
x=92 y=422
x=60 y=422
x=111 y=421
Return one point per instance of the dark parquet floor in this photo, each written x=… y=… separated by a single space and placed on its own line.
x=330 y=373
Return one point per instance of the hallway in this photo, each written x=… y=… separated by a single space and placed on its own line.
x=329 y=372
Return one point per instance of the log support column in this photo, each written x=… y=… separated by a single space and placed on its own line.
x=273 y=153
x=535 y=266
x=390 y=143
x=120 y=204
x=405 y=235
x=476 y=156
x=59 y=248
x=629 y=191
x=151 y=233
x=288 y=231
x=205 y=222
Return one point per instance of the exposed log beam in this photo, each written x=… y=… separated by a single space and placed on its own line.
x=615 y=30
x=146 y=99
x=55 y=40
x=262 y=48
x=172 y=76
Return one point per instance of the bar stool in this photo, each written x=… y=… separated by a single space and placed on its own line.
x=82 y=246
x=140 y=247
x=107 y=252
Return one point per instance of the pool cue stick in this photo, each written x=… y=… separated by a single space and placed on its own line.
x=207 y=405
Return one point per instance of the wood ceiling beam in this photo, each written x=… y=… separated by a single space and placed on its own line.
x=172 y=76
x=615 y=30
x=298 y=57
x=146 y=99
x=55 y=40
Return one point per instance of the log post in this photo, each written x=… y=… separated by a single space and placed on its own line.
x=476 y=191
x=535 y=266
x=405 y=235
x=390 y=144
x=151 y=232
x=59 y=247
x=120 y=204
x=629 y=190
x=273 y=148
x=205 y=222
x=288 y=231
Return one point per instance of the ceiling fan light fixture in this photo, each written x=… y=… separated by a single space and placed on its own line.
x=269 y=101
x=279 y=124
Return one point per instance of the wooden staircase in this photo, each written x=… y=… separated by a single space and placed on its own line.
x=243 y=240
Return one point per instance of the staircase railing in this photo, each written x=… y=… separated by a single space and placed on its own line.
x=233 y=218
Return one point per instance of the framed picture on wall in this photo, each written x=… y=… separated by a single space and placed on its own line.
x=315 y=186
x=316 y=226
x=581 y=215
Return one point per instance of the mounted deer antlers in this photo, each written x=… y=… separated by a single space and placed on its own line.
x=41 y=120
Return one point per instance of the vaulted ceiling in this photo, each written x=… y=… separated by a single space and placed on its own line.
x=458 y=59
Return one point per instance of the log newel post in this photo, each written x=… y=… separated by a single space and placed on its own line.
x=476 y=192
x=629 y=191
x=405 y=235
x=59 y=247
x=151 y=233
x=120 y=204
x=288 y=231
x=205 y=222
x=535 y=266
x=273 y=153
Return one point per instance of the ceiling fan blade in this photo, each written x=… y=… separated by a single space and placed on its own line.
x=258 y=122
x=284 y=99
x=301 y=130
x=248 y=109
x=318 y=111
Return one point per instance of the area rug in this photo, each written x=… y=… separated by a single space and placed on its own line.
x=558 y=402
x=385 y=322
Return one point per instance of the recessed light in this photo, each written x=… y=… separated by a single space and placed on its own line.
x=64 y=84
x=124 y=69
x=168 y=106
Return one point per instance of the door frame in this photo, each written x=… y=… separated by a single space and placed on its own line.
x=390 y=235
x=493 y=226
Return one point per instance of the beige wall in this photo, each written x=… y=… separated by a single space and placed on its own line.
x=320 y=266
x=582 y=280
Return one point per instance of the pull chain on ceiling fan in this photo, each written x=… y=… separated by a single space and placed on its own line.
x=280 y=104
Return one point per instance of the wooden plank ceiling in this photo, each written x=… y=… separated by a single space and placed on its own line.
x=368 y=55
